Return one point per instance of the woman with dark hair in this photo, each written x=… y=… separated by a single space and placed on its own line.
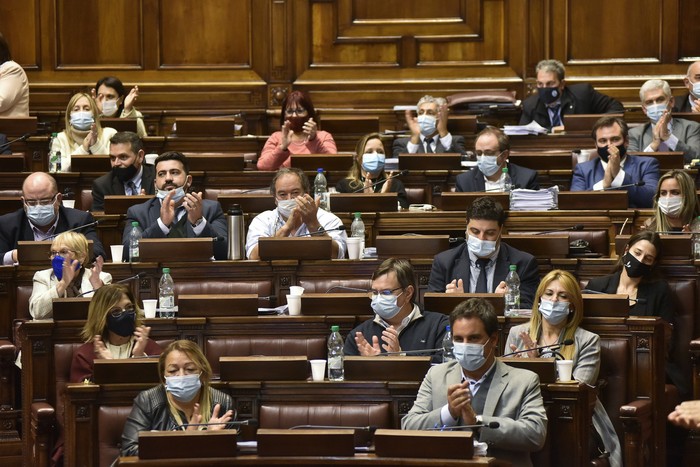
x=113 y=101
x=184 y=400
x=368 y=169
x=14 y=86
x=675 y=203
x=299 y=134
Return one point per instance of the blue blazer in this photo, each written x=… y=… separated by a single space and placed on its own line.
x=636 y=168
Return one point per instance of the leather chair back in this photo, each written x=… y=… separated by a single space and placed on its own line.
x=323 y=285
x=415 y=195
x=262 y=288
x=111 y=421
x=85 y=200
x=285 y=415
x=63 y=357
x=613 y=377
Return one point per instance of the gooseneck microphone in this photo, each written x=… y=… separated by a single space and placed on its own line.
x=128 y=279
x=342 y=287
x=322 y=232
x=369 y=428
x=639 y=183
x=410 y=352
x=640 y=301
x=491 y=425
x=250 y=421
x=551 y=347
x=404 y=172
x=80 y=227
x=574 y=228
x=16 y=140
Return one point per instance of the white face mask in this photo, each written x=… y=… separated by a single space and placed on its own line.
x=554 y=312
x=427 y=124
x=481 y=248
x=670 y=205
x=109 y=107
x=285 y=206
x=177 y=196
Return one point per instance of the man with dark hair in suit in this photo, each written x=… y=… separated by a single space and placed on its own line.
x=554 y=98
x=480 y=265
x=42 y=218
x=492 y=148
x=129 y=175
x=476 y=388
x=175 y=212
x=691 y=101
x=429 y=132
x=615 y=168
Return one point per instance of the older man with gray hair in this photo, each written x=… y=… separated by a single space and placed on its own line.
x=429 y=132
x=662 y=132
x=691 y=101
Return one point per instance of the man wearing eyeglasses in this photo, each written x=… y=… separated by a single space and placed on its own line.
x=398 y=325
x=42 y=218
x=492 y=148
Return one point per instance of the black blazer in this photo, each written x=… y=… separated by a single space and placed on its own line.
x=343 y=186
x=454 y=264
x=473 y=180
x=15 y=227
x=108 y=184
x=683 y=104
x=3 y=141
x=401 y=146
x=576 y=99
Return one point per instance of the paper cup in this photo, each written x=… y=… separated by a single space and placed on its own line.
x=149 y=308
x=117 y=252
x=564 y=368
x=294 y=304
x=318 y=369
x=296 y=290
x=68 y=203
x=151 y=158
x=354 y=247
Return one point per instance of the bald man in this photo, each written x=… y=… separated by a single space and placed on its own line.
x=690 y=102
x=41 y=218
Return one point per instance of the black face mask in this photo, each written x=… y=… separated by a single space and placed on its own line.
x=549 y=95
x=124 y=174
x=603 y=152
x=123 y=325
x=634 y=267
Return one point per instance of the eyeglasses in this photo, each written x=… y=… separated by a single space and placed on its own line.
x=65 y=252
x=487 y=153
x=117 y=312
x=40 y=202
x=297 y=111
x=373 y=293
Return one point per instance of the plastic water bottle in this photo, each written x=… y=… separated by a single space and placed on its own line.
x=336 y=363
x=321 y=189
x=507 y=181
x=512 y=297
x=54 y=156
x=134 y=239
x=447 y=346
x=695 y=228
x=357 y=229
x=166 y=295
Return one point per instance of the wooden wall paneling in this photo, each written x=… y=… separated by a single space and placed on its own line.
x=688 y=31
x=19 y=24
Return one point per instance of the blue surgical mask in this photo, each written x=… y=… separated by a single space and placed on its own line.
x=373 y=162
x=183 y=388
x=470 y=356
x=427 y=124
x=81 y=120
x=41 y=215
x=655 y=111
x=481 y=248
x=554 y=312
x=285 y=206
x=57 y=266
x=386 y=306
x=177 y=196
x=488 y=165
x=696 y=89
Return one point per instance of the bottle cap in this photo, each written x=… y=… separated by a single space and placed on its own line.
x=358 y=215
x=134 y=223
x=335 y=328
x=447 y=328
x=513 y=267
x=319 y=170
x=54 y=134
x=166 y=270
x=504 y=170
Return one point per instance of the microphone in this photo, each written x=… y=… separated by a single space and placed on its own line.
x=80 y=227
x=369 y=428
x=556 y=346
x=361 y=189
x=9 y=143
x=128 y=279
x=410 y=352
x=342 y=287
x=491 y=425
x=513 y=187
x=639 y=183
x=314 y=234
x=250 y=421
x=641 y=301
x=576 y=228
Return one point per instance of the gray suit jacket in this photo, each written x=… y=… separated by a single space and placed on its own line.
x=514 y=401
x=687 y=132
x=400 y=146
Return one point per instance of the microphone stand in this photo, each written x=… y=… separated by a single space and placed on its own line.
x=361 y=189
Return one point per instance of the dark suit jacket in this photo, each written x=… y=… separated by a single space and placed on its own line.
x=343 y=186
x=576 y=99
x=108 y=184
x=15 y=227
x=454 y=264
x=401 y=146
x=147 y=214
x=636 y=168
x=3 y=141
x=473 y=180
x=687 y=132
x=683 y=104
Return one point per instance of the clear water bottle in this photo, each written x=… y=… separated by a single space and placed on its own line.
x=166 y=295
x=695 y=228
x=357 y=229
x=507 y=181
x=448 y=346
x=336 y=364
x=54 y=156
x=512 y=297
x=134 y=239
x=321 y=189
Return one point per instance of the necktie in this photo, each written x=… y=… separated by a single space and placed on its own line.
x=428 y=145
x=556 y=117
x=481 y=282
x=132 y=186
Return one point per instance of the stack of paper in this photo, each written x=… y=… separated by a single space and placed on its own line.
x=532 y=128
x=534 y=200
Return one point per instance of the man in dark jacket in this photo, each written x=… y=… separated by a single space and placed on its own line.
x=690 y=102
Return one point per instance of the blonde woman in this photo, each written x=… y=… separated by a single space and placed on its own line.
x=556 y=316
x=83 y=133
x=69 y=275
x=184 y=400
x=675 y=203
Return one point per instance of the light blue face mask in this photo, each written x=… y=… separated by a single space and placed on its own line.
x=481 y=248
x=373 y=162
x=554 y=312
x=696 y=89
x=488 y=165
x=654 y=112
x=81 y=120
x=41 y=215
x=386 y=306
x=470 y=356
x=183 y=388
x=177 y=196
x=427 y=124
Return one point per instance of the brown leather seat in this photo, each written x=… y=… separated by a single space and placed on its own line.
x=262 y=288
x=285 y=415
x=214 y=193
x=85 y=200
x=111 y=422
x=613 y=374
x=415 y=195
x=323 y=285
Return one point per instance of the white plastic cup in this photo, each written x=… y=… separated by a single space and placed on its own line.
x=564 y=368
x=68 y=203
x=294 y=304
x=149 y=307
x=151 y=158
x=318 y=369
x=296 y=290
x=117 y=252
x=354 y=247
